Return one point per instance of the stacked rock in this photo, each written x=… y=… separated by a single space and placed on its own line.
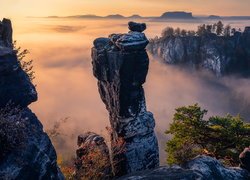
x=120 y=63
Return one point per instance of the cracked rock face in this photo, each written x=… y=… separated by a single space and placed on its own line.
x=34 y=157
x=120 y=63
x=218 y=54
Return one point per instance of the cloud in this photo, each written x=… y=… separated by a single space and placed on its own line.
x=66 y=29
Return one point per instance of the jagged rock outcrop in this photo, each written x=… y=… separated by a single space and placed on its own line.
x=120 y=63
x=32 y=155
x=219 y=54
x=93 y=161
x=201 y=167
x=245 y=159
x=6 y=33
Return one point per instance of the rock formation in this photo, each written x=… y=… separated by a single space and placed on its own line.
x=32 y=156
x=120 y=63
x=245 y=159
x=202 y=167
x=93 y=161
x=219 y=54
x=5 y=33
x=177 y=15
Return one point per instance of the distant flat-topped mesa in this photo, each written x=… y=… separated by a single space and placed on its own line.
x=120 y=63
x=177 y=15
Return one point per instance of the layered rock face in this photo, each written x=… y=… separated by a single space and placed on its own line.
x=32 y=155
x=221 y=55
x=202 y=167
x=120 y=63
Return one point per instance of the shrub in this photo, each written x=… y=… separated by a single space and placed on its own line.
x=221 y=137
x=26 y=65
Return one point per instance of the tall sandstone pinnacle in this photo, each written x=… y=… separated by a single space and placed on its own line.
x=120 y=63
x=26 y=151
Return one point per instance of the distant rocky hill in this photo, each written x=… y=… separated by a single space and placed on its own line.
x=219 y=54
x=214 y=17
x=177 y=15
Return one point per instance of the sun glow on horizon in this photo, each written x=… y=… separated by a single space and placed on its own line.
x=23 y=8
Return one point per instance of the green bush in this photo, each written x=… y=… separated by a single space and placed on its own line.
x=221 y=137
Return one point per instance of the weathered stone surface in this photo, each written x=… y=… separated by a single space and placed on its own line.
x=6 y=33
x=100 y=43
x=221 y=55
x=202 y=167
x=245 y=159
x=35 y=156
x=93 y=160
x=132 y=41
x=121 y=74
x=15 y=84
x=177 y=15
x=137 y=27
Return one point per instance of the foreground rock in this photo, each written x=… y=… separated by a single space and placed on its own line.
x=245 y=159
x=93 y=160
x=202 y=167
x=219 y=54
x=120 y=63
x=31 y=154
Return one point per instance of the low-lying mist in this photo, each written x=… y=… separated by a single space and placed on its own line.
x=67 y=88
x=169 y=87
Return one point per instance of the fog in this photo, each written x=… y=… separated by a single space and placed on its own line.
x=66 y=87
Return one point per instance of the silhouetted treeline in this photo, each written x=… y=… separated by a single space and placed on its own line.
x=217 y=28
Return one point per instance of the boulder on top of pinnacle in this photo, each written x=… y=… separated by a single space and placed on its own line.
x=137 y=27
x=132 y=41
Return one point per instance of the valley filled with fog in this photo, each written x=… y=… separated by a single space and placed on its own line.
x=61 y=50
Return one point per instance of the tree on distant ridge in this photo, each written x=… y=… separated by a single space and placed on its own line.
x=219 y=28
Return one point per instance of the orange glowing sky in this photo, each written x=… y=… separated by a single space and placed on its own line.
x=20 y=8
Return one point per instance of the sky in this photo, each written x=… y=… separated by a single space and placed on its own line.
x=23 y=8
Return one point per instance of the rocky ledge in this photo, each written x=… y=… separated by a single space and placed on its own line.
x=26 y=151
x=120 y=63
x=219 y=54
x=202 y=167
